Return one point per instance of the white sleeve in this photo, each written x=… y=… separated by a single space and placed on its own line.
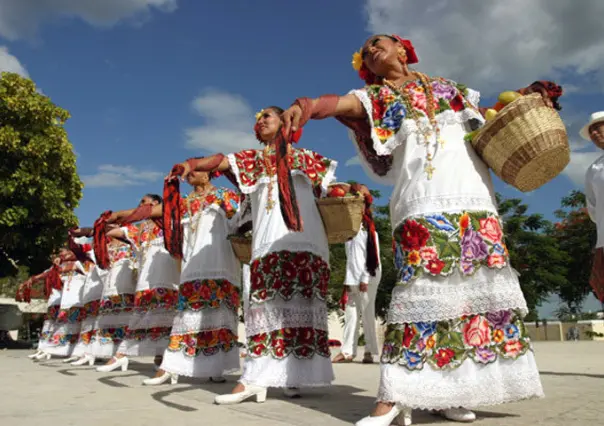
x=590 y=196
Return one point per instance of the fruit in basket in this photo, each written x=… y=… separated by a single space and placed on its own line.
x=336 y=191
x=508 y=97
x=490 y=114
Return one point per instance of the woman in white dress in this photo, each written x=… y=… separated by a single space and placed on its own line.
x=203 y=342
x=455 y=334
x=156 y=298
x=286 y=324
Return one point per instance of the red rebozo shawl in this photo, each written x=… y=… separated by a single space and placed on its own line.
x=290 y=211
x=172 y=227
x=101 y=252
x=52 y=280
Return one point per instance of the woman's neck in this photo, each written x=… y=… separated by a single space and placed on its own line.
x=401 y=75
x=204 y=187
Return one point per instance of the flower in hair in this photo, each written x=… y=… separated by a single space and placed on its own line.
x=357 y=60
x=259 y=114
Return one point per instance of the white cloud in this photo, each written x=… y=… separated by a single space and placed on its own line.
x=499 y=45
x=9 y=63
x=228 y=123
x=22 y=18
x=353 y=161
x=109 y=175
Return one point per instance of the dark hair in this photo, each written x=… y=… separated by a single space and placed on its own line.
x=154 y=197
x=277 y=109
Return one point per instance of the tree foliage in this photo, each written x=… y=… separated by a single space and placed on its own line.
x=39 y=185
x=534 y=253
x=576 y=234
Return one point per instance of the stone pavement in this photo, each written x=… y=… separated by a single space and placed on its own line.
x=51 y=393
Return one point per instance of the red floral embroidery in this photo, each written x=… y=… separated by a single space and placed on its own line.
x=208 y=294
x=288 y=273
x=303 y=343
x=156 y=298
x=205 y=343
x=414 y=236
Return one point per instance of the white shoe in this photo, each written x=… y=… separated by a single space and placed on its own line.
x=71 y=359
x=42 y=356
x=32 y=356
x=292 y=392
x=161 y=379
x=397 y=416
x=458 y=415
x=117 y=363
x=236 y=398
x=217 y=379
x=85 y=359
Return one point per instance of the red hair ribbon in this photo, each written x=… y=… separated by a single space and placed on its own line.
x=370 y=78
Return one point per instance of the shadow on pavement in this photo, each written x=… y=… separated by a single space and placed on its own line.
x=591 y=376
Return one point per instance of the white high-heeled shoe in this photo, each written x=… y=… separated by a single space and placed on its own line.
x=161 y=379
x=292 y=392
x=117 y=363
x=462 y=415
x=85 y=359
x=32 y=356
x=399 y=416
x=71 y=359
x=42 y=356
x=236 y=398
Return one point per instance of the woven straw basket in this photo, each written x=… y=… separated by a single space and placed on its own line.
x=526 y=143
x=342 y=217
x=242 y=246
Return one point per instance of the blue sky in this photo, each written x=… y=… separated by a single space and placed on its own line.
x=152 y=82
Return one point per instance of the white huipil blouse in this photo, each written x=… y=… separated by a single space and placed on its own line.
x=594 y=193
x=452 y=260
x=286 y=322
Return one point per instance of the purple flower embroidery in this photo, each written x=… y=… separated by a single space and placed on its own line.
x=499 y=319
x=485 y=356
x=442 y=90
x=473 y=246
x=467 y=267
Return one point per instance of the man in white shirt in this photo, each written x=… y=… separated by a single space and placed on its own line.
x=594 y=193
x=361 y=287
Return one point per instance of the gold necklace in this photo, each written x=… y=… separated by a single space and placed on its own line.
x=268 y=165
x=425 y=131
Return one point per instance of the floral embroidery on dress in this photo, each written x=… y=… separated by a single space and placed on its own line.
x=72 y=315
x=117 y=303
x=154 y=334
x=206 y=343
x=286 y=274
x=438 y=244
x=111 y=335
x=119 y=251
x=143 y=234
x=252 y=166
x=226 y=199
x=303 y=343
x=92 y=308
x=445 y=345
x=205 y=294
x=52 y=313
x=87 y=337
x=61 y=339
x=389 y=110
x=155 y=298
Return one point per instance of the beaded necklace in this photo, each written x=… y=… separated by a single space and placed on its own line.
x=268 y=165
x=425 y=131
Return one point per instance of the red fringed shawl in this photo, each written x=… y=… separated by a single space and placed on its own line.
x=53 y=280
x=77 y=249
x=173 y=232
x=101 y=252
x=290 y=211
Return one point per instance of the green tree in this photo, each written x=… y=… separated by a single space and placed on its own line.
x=39 y=185
x=576 y=234
x=534 y=253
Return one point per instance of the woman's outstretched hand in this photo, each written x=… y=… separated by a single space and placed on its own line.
x=181 y=170
x=291 y=119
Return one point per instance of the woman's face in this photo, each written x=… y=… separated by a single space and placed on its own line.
x=196 y=178
x=381 y=54
x=596 y=133
x=268 y=125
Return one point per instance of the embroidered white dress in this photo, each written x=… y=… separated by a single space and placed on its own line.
x=156 y=297
x=286 y=323
x=50 y=321
x=71 y=312
x=203 y=342
x=455 y=333
x=117 y=300
x=360 y=305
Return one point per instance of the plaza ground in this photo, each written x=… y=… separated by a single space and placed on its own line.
x=52 y=393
